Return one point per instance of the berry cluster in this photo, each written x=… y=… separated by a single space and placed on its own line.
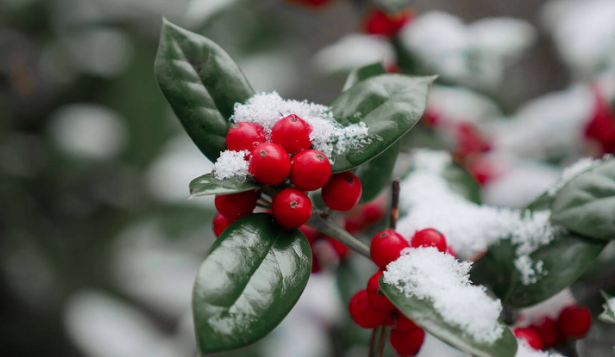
x=378 y=22
x=601 y=126
x=370 y=308
x=285 y=159
x=573 y=323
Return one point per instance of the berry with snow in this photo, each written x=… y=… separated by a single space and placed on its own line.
x=407 y=344
x=530 y=336
x=342 y=192
x=386 y=247
x=429 y=238
x=310 y=170
x=376 y=296
x=269 y=164
x=548 y=332
x=220 y=223
x=244 y=136
x=292 y=208
x=292 y=133
x=363 y=313
x=236 y=205
x=574 y=321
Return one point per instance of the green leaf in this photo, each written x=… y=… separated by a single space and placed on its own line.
x=423 y=313
x=394 y=5
x=608 y=315
x=389 y=104
x=249 y=281
x=586 y=204
x=376 y=174
x=362 y=73
x=208 y=184
x=565 y=258
x=461 y=182
x=202 y=84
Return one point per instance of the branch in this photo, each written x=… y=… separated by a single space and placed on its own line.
x=395 y=202
x=332 y=229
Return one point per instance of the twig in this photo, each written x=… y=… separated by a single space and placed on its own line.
x=372 y=340
x=333 y=230
x=477 y=256
x=395 y=187
x=383 y=334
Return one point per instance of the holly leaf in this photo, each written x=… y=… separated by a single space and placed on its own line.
x=423 y=313
x=608 y=315
x=563 y=260
x=461 y=182
x=202 y=84
x=208 y=184
x=249 y=281
x=362 y=73
x=586 y=203
x=389 y=104
x=376 y=174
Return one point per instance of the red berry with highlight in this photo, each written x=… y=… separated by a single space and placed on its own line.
x=376 y=296
x=291 y=208
x=292 y=133
x=548 y=332
x=386 y=247
x=530 y=336
x=404 y=324
x=363 y=313
x=220 y=224
x=407 y=344
x=310 y=170
x=244 y=136
x=342 y=192
x=429 y=238
x=236 y=205
x=574 y=321
x=269 y=164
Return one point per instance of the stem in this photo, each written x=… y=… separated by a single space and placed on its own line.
x=383 y=334
x=371 y=342
x=570 y=348
x=395 y=187
x=333 y=230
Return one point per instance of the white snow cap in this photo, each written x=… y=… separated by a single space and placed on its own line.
x=231 y=164
x=352 y=51
x=427 y=274
x=524 y=350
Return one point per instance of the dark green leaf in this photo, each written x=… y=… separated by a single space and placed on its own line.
x=202 y=84
x=586 y=204
x=460 y=181
x=250 y=279
x=376 y=174
x=390 y=105
x=425 y=315
x=564 y=258
x=608 y=315
x=208 y=184
x=542 y=202
x=362 y=73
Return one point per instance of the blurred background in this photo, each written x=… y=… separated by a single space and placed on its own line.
x=98 y=244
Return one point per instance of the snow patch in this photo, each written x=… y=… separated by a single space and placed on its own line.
x=231 y=164
x=524 y=350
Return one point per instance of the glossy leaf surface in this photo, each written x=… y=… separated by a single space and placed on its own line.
x=362 y=73
x=208 y=184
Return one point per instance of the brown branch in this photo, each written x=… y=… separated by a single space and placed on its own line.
x=371 y=342
x=383 y=334
x=395 y=187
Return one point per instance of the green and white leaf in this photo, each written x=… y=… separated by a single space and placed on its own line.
x=208 y=184
x=608 y=315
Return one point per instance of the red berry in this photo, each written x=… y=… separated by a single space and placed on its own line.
x=236 y=205
x=429 y=238
x=291 y=208
x=341 y=250
x=310 y=170
x=315 y=262
x=379 y=22
x=451 y=251
x=362 y=312
x=376 y=296
x=386 y=247
x=310 y=233
x=269 y=164
x=220 y=224
x=342 y=192
x=404 y=324
x=530 y=336
x=244 y=136
x=292 y=133
x=574 y=321
x=407 y=344
x=373 y=211
x=548 y=332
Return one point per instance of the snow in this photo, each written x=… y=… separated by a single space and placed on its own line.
x=352 y=51
x=427 y=274
x=468 y=227
x=548 y=308
x=459 y=104
x=524 y=350
x=231 y=164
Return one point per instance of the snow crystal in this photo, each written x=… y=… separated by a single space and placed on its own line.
x=572 y=171
x=469 y=228
x=328 y=136
x=524 y=350
x=231 y=164
x=427 y=274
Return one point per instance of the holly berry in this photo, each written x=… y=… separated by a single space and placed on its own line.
x=379 y=22
x=530 y=336
x=404 y=324
x=312 y=3
x=341 y=250
x=310 y=170
x=269 y=164
x=236 y=205
x=386 y=247
x=407 y=344
x=363 y=313
x=291 y=208
x=220 y=224
x=342 y=192
x=548 y=332
x=364 y=216
x=292 y=133
x=574 y=321
x=310 y=233
x=244 y=136
x=429 y=238
x=376 y=296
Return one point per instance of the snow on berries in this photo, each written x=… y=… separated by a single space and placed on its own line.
x=530 y=336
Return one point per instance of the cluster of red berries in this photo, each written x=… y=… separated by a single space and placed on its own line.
x=370 y=308
x=272 y=159
x=573 y=323
x=378 y=22
x=601 y=126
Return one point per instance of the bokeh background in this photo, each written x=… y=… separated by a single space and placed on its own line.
x=98 y=244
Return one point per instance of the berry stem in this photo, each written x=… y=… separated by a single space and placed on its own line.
x=372 y=341
x=383 y=334
x=570 y=348
x=329 y=227
x=395 y=188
